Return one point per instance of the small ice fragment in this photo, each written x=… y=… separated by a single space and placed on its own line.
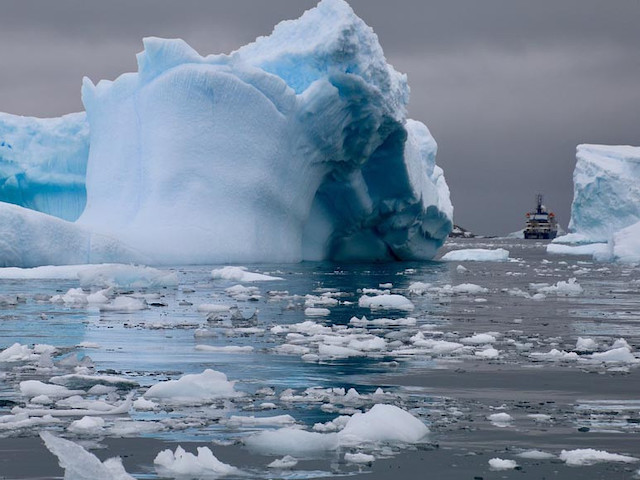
x=182 y=463
x=536 y=455
x=316 y=312
x=397 y=302
x=502 y=464
x=359 y=458
x=284 y=463
x=476 y=255
x=589 y=456
x=240 y=274
x=87 y=425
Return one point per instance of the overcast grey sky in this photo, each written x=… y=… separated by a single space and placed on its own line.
x=507 y=87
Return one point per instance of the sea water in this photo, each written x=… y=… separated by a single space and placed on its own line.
x=483 y=338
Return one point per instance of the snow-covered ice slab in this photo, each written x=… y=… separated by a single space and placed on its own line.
x=590 y=456
x=476 y=255
x=592 y=249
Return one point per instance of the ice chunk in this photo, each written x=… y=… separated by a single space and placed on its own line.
x=590 y=456
x=79 y=464
x=586 y=345
x=479 y=339
x=261 y=421
x=383 y=423
x=283 y=463
x=502 y=464
x=193 y=389
x=125 y=303
x=292 y=441
x=316 y=312
x=241 y=274
x=181 y=463
x=476 y=255
x=615 y=355
x=592 y=249
x=392 y=302
x=568 y=288
x=536 y=455
x=501 y=419
x=17 y=353
x=33 y=388
x=359 y=458
x=87 y=425
x=488 y=353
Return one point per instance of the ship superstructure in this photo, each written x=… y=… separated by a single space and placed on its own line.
x=541 y=223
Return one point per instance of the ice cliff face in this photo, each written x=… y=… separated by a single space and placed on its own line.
x=294 y=147
x=606 y=194
x=606 y=201
x=43 y=163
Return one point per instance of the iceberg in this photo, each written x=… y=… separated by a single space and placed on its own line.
x=43 y=163
x=606 y=204
x=294 y=147
x=606 y=194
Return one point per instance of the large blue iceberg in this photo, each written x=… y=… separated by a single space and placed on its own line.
x=295 y=147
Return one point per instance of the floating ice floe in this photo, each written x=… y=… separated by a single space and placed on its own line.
x=590 y=456
x=87 y=426
x=240 y=274
x=21 y=353
x=501 y=419
x=502 y=464
x=359 y=458
x=284 y=463
x=79 y=464
x=124 y=303
x=225 y=348
x=476 y=255
x=593 y=249
x=193 y=389
x=586 y=345
x=536 y=455
x=391 y=302
x=252 y=421
x=316 y=312
x=381 y=424
x=181 y=464
x=569 y=288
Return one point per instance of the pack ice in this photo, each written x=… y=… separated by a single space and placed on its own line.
x=606 y=203
x=293 y=147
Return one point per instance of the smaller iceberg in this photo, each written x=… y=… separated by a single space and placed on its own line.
x=605 y=212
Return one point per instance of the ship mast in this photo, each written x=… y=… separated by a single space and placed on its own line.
x=539 y=202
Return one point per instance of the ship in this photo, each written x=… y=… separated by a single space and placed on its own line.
x=540 y=223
